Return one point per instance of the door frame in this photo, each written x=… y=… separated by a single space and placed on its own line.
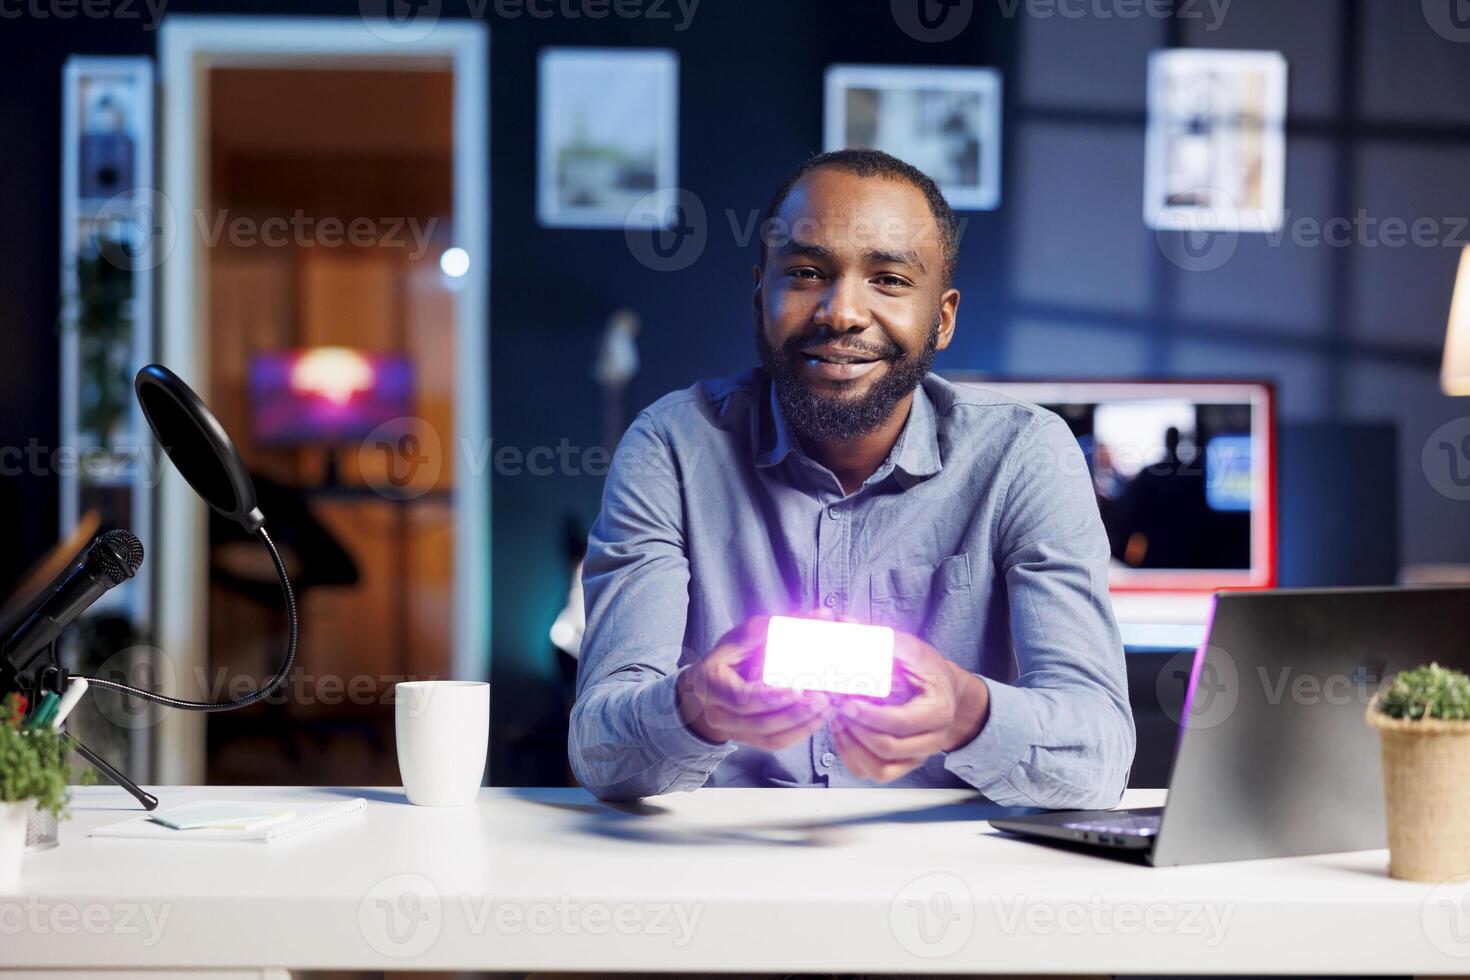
x=189 y=46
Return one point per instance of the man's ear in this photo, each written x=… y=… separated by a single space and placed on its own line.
x=755 y=296
x=949 y=312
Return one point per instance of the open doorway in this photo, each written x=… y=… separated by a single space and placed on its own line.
x=326 y=295
x=331 y=332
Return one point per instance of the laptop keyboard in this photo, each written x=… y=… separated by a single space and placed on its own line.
x=1127 y=824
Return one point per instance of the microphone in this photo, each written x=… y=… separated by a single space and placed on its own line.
x=112 y=559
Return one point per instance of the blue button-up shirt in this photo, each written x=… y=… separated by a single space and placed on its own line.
x=980 y=534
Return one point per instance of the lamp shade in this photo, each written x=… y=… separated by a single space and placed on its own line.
x=1454 y=377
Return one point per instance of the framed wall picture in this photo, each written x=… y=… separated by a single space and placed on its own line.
x=1216 y=145
x=607 y=136
x=944 y=121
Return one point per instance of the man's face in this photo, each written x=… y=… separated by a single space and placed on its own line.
x=851 y=305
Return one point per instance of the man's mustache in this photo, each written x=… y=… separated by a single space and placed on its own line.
x=796 y=345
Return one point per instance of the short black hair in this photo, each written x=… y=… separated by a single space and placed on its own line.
x=874 y=163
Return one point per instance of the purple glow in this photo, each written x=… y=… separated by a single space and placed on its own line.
x=1194 y=670
x=321 y=396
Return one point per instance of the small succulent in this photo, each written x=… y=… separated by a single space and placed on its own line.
x=1427 y=692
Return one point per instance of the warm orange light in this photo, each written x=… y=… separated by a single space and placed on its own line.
x=334 y=373
x=1454 y=377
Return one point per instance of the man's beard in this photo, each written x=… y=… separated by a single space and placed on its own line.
x=827 y=418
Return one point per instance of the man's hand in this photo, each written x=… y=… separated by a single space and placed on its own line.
x=935 y=707
x=721 y=698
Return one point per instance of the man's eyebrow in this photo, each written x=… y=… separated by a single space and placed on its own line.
x=795 y=246
x=905 y=257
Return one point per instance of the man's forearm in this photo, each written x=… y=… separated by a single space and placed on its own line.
x=1057 y=748
x=972 y=708
x=627 y=740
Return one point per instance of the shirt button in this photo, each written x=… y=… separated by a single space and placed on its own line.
x=834 y=513
x=828 y=758
x=831 y=600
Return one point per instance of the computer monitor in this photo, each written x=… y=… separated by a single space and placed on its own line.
x=1184 y=473
x=326 y=396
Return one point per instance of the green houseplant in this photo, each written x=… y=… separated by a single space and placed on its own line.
x=33 y=774
x=1423 y=720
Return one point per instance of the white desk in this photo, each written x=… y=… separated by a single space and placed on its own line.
x=720 y=880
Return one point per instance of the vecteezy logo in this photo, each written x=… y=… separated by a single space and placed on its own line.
x=667 y=230
x=143 y=667
x=933 y=916
x=399 y=21
x=1450 y=19
x=135 y=230
x=1214 y=693
x=1446 y=459
x=1199 y=239
x=406 y=449
x=932 y=21
x=402 y=458
x=1445 y=916
x=401 y=916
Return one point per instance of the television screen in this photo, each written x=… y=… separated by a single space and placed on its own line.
x=1182 y=474
x=326 y=395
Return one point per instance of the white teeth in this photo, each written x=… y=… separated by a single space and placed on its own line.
x=838 y=359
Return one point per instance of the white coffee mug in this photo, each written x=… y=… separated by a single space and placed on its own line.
x=443 y=732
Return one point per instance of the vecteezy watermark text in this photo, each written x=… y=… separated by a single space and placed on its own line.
x=304 y=230
x=937 y=21
x=1098 y=916
x=148 y=11
x=1212 y=12
x=35 y=916
x=407 y=21
x=566 y=916
x=680 y=12
x=403 y=915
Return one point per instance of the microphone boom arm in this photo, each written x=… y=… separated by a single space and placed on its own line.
x=259 y=694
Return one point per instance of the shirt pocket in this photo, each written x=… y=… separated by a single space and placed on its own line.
x=932 y=601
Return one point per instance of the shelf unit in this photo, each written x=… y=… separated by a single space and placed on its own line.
x=115 y=230
x=110 y=245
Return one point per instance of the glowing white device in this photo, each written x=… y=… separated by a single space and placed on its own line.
x=821 y=655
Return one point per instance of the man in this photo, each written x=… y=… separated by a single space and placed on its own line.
x=844 y=480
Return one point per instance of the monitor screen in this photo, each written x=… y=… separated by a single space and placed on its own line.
x=1182 y=472
x=326 y=395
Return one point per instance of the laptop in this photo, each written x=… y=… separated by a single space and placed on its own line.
x=1275 y=757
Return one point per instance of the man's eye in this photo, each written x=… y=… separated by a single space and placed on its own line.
x=892 y=281
x=804 y=273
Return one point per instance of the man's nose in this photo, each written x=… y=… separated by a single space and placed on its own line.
x=842 y=309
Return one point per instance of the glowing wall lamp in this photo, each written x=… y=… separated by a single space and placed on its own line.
x=1454 y=376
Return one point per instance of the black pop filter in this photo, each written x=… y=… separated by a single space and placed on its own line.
x=203 y=453
x=198 y=445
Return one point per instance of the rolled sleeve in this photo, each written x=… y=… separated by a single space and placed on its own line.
x=677 y=742
x=626 y=737
x=1061 y=735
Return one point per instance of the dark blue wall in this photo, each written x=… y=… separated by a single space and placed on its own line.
x=1063 y=279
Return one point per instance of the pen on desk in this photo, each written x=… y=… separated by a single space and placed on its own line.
x=74 y=692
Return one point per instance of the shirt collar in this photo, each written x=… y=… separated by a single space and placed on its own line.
x=916 y=453
x=917 y=450
x=774 y=438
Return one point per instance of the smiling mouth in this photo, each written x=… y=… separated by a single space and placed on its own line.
x=828 y=355
x=838 y=365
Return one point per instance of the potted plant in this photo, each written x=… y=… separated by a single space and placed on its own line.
x=33 y=775
x=1423 y=718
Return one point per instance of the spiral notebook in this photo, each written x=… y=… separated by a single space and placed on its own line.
x=303 y=817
